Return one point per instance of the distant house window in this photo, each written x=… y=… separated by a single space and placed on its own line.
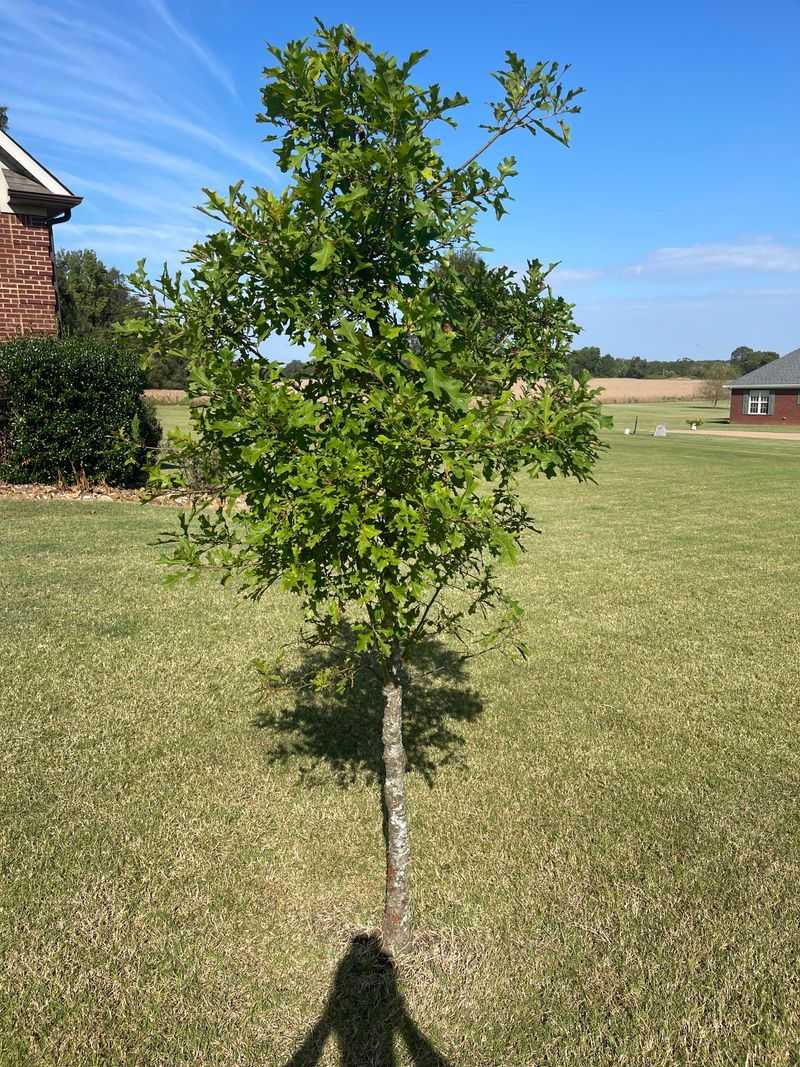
x=758 y=404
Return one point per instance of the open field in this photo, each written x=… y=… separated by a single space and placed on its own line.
x=166 y=396
x=616 y=390
x=607 y=836
x=648 y=390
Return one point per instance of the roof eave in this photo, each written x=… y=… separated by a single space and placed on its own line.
x=18 y=201
x=765 y=385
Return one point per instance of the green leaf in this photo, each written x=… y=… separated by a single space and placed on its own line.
x=323 y=255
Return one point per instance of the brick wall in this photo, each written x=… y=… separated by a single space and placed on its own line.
x=27 y=288
x=785 y=408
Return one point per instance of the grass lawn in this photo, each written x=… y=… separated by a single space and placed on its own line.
x=675 y=413
x=172 y=416
x=607 y=837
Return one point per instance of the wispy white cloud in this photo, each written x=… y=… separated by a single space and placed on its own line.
x=206 y=58
x=121 y=230
x=576 y=274
x=148 y=118
x=68 y=51
x=764 y=255
x=81 y=136
x=72 y=25
x=123 y=102
x=759 y=255
x=154 y=243
x=142 y=200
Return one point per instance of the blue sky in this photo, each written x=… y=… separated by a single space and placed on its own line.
x=675 y=215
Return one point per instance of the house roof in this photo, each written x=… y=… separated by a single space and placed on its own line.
x=775 y=375
x=28 y=182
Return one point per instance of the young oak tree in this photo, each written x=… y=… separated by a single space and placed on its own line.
x=383 y=492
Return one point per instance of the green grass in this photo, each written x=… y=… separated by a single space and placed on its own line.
x=607 y=837
x=173 y=416
x=675 y=413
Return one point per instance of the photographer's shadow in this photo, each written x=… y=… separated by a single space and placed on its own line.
x=365 y=1013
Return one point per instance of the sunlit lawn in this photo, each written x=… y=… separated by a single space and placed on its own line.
x=173 y=416
x=674 y=414
x=677 y=414
x=607 y=855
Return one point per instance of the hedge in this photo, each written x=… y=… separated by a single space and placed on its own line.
x=72 y=409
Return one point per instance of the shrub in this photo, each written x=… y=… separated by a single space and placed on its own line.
x=72 y=408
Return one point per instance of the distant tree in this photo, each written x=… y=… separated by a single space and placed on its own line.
x=466 y=263
x=717 y=377
x=296 y=368
x=585 y=359
x=92 y=296
x=637 y=368
x=166 y=371
x=609 y=367
x=3 y=118
x=745 y=359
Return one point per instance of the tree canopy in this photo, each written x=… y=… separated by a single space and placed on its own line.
x=3 y=118
x=385 y=492
x=93 y=298
x=296 y=368
x=746 y=359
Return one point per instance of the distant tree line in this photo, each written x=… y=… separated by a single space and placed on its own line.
x=742 y=361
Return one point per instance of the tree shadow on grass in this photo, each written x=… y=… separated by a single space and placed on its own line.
x=718 y=415
x=365 y=1013
x=342 y=732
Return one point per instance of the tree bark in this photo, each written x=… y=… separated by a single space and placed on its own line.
x=397 y=910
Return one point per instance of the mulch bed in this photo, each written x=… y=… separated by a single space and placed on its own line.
x=95 y=494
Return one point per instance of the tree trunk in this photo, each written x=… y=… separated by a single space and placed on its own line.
x=397 y=910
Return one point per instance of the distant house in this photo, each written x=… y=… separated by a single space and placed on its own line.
x=32 y=201
x=770 y=394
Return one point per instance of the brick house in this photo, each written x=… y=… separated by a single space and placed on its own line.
x=769 y=394
x=32 y=201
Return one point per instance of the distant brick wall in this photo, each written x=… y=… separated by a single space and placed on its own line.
x=27 y=288
x=785 y=408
